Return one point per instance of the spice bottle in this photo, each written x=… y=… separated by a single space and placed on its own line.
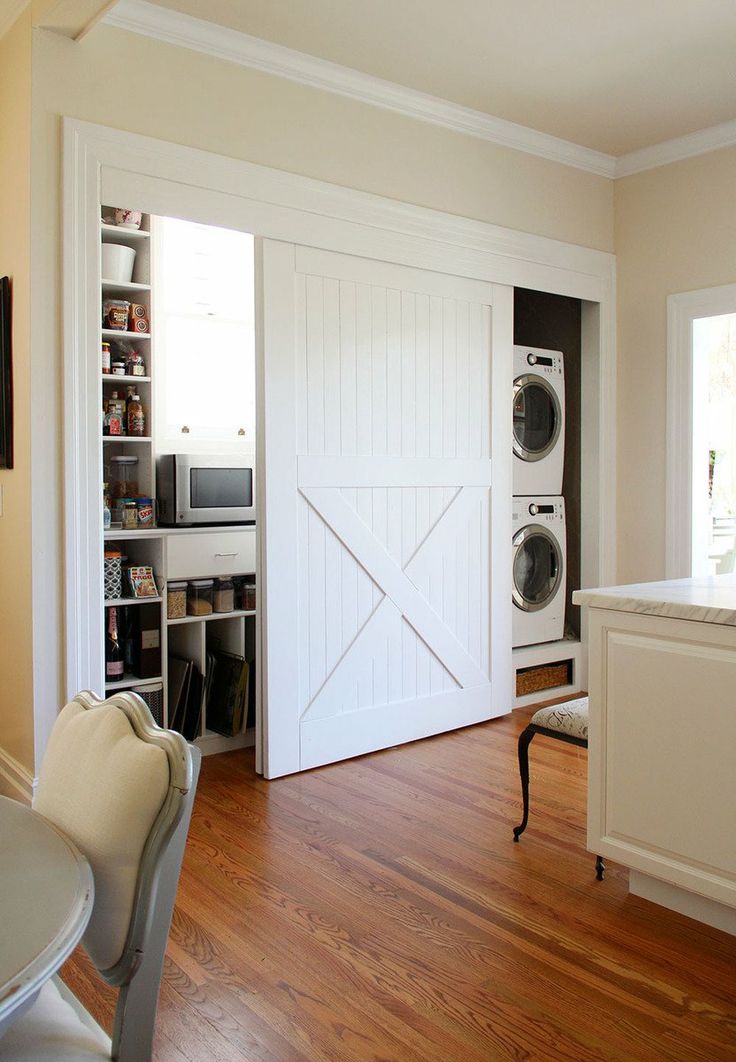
x=136 y=365
x=106 y=358
x=136 y=417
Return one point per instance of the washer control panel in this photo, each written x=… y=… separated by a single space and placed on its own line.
x=542 y=510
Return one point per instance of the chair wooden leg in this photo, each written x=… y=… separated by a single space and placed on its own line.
x=600 y=868
x=524 y=738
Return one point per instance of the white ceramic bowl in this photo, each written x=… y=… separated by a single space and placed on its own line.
x=117 y=262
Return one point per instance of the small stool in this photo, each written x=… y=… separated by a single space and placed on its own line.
x=566 y=722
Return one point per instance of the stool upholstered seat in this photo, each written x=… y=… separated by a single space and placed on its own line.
x=569 y=718
x=566 y=722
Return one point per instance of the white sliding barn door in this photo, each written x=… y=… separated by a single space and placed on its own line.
x=379 y=558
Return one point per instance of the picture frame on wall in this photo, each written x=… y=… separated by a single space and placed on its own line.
x=6 y=375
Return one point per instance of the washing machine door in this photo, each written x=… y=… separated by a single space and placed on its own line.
x=537 y=417
x=537 y=568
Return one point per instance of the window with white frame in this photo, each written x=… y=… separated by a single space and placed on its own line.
x=205 y=338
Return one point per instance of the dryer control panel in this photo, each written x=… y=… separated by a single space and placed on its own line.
x=539 y=361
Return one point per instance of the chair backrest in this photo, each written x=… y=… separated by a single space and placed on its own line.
x=122 y=789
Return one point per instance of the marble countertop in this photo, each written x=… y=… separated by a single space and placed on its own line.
x=707 y=599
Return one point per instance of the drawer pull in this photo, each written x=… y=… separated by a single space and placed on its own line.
x=226 y=554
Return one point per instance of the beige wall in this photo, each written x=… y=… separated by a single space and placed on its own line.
x=139 y=85
x=675 y=231
x=16 y=690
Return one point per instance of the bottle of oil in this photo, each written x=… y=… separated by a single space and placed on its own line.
x=136 y=416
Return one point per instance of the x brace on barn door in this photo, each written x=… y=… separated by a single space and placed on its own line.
x=402 y=598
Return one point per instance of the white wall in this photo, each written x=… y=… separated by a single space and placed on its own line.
x=675 y=231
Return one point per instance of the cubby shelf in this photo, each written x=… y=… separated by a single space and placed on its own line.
x=132 y=680
x=122 y=234
x=119 y=285
x=210 y=616
x=108 y=377
x=118 y=602
x=117 y=333
x=127 y=439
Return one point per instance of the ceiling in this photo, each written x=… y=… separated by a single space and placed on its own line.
x=613 y=75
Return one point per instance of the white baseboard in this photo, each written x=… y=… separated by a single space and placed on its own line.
x=15 y=780
x=702 y=908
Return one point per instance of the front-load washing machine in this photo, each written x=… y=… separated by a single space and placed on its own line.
x=539 y=556
x=539 y=421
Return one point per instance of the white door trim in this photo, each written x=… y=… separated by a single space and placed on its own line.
x=168 y=178
x=682 y=310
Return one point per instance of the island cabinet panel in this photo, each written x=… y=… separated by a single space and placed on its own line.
x=662 y=785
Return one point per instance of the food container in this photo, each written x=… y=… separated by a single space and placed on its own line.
x=136 y=366
x=115 y=314
x=124 y=477
x=145 y=512
x=249 y=594
x=117 y=263
x=224 y=596
x=106 y=359
x=199 y=597
x=130 y=515
x=176 y=600
x=112 y=574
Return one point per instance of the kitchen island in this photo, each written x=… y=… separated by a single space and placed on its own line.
x=662 y=740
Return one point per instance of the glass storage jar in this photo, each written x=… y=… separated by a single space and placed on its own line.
x=123 y=477
x=224 y=595
x=176 y=600
x=249 y=594
x=199 y=597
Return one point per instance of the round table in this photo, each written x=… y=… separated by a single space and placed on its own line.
x=46 y=896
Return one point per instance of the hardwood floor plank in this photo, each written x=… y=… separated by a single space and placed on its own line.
x=378 y=909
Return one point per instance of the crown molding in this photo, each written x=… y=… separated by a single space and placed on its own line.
x=172 y=27
x=12 y=11
x=681 y=147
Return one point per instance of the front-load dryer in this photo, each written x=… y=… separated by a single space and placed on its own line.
x=539 y=421
x=539 y=556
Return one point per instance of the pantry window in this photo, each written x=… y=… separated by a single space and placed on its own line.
x=204 y=337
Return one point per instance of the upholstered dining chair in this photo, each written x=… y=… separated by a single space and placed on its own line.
x=122 y=790
x=565 y=722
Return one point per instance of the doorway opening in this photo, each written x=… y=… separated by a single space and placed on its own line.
x=714 y=445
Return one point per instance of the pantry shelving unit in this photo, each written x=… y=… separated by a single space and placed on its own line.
x=189 y=636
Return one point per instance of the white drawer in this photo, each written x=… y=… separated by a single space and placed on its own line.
x=211 y=553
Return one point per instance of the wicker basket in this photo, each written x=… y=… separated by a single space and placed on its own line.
x=543 y=677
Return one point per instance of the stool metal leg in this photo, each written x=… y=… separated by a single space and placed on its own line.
x=600 y=868
x=524 y=738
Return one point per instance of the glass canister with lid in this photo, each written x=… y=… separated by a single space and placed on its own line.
x=224 y=597
x=123 y=477
x=199 y=597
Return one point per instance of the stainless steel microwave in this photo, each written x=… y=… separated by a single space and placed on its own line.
x=205 y=489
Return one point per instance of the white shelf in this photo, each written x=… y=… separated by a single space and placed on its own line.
x=210 y=742
x=124 y=285
x=210 y=615
x=122 y=234
x=132 y=680
x=146 y=532
x=109 y=377
x=118 y=602
x=127 y=439
x=117 y=333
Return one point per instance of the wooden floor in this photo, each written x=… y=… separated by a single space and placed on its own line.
x=378 y=909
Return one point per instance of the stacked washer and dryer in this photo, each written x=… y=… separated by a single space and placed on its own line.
x=539 y=535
